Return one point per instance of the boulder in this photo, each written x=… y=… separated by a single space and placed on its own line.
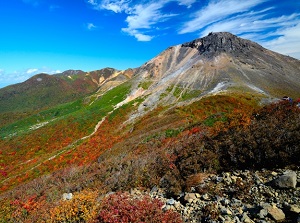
x=275 y=213
x=286 y=181
x=191 y=198
x=295 y=209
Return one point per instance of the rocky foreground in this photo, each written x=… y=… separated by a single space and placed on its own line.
x=239 y=196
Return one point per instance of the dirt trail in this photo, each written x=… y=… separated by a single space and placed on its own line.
x=68 y=148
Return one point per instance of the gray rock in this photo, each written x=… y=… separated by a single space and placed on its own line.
x=190 y=197
x=286 y=181
x=225 y=211
x=262 y=213
x=67 y=196
x=154 y=190
x=295 y=209
x=171 y=201
x=276 y=213
x=245 y=218
x=225 y=202
x=236 y=219
x=205 y=197
x=227 y=178
x=177 y=205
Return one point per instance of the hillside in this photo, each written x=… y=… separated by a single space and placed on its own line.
x=194 y=127
x=44 y=91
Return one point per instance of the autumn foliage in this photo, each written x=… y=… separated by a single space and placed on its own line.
x=82 y=207
x=121 y=207
x=169 y=148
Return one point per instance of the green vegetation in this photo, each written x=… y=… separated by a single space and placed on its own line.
x=181 y=93
x=211 y=120
x=32 y=122
x=190 y=94
x=145 y=85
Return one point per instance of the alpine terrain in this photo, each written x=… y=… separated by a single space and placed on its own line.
x=200 y=133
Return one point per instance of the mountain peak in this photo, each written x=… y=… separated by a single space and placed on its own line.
x=219 y=42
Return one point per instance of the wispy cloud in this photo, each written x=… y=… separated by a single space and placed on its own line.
x=187 y=3
x=288 y=41
x=142 y=18
x=90 y=26
x=216 y=11
x=115 y=6
x=32 y=70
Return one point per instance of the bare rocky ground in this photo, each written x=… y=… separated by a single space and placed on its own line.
x=239 y=196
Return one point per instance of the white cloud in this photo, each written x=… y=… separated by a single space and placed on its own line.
x=216 y=11
x=92 y=2
x=115 y=6
x=53 y=72
x=91 y=26
x=187 y=3
x=142 y=18
x=32 y=71
x=288 y=42
x=12 y=78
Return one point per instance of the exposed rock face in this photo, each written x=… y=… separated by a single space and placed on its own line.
x=217 y=43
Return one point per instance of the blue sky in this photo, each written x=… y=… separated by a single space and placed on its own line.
x=55 y=35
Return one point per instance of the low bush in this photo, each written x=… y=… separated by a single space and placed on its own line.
x=270 y=141
x=121 y=207
x=83 y=207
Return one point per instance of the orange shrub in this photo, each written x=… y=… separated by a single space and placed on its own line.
x=82 y=207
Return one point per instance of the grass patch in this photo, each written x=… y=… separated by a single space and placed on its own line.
x=211 y=120
x=24 y=125
x=190 y=94
x=145 y=85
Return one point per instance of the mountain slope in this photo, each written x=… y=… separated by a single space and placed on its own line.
x=219 y=62
x=45 y=91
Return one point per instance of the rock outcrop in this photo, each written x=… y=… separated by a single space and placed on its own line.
x=239 y=196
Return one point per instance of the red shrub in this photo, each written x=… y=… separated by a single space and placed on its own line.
x=121 y=207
